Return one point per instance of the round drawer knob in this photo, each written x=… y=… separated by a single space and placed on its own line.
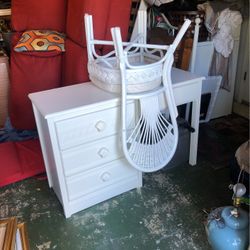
x=100 y=126
x=105 y=176
x=103 y=152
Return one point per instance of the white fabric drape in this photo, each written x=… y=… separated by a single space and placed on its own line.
x=222 y=25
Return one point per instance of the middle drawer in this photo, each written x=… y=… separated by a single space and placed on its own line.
x=88 y=155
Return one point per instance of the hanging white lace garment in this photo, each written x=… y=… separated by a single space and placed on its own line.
x=223 y=27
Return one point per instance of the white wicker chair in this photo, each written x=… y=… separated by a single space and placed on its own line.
x=142 y=72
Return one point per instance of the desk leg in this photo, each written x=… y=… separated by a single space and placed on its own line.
x=195 y=119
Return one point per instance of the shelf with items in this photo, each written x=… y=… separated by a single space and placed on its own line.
x=5 y=13
x=5 y=30
x=178 y=17
x=4 y=88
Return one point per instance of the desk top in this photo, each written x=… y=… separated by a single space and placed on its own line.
x=67 y=99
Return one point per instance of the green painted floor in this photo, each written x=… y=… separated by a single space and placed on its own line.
x=166 y=213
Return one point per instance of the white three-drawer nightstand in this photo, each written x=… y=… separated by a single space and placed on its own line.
x=79 y=131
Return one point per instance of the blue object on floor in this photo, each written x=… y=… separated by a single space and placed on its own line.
x=228 y=229
x=8 y=133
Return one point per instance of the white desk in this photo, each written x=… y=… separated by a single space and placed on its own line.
x=186 y=86
x=78 y=128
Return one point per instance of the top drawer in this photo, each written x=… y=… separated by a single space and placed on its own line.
x=85 y=128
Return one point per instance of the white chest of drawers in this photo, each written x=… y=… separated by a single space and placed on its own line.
x=79 y=131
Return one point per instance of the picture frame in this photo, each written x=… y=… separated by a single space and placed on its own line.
x=22 y=242
x=8 y=233
x=3 y=228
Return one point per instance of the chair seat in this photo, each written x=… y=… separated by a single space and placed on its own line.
x=108 y=77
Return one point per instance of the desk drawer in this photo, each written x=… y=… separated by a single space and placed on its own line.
x=85 y=128
x=98 y=178
x=89 y=155
x=90 y=127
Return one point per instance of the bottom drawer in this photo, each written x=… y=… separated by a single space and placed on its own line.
x=98 y=178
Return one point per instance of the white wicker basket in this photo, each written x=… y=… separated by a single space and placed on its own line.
x=144 y=63
x=138 y=80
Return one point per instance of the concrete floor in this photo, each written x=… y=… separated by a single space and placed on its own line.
x=166 y=213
